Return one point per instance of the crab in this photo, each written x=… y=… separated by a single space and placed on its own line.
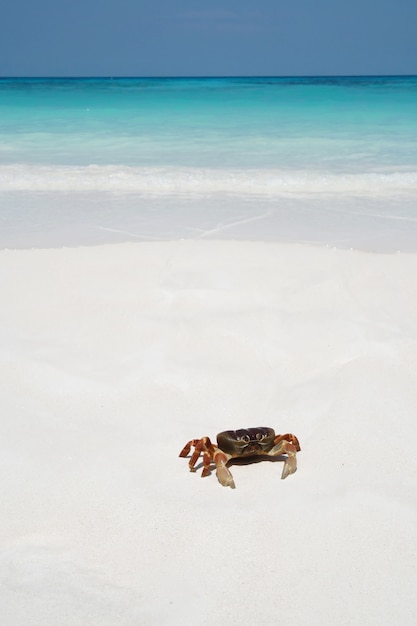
x=238 y=444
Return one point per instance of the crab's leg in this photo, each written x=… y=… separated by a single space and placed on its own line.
x=201 y=446
x=223 y=473
x=204 y=445
x=186 y=449
x=206 y=464
x=288 y=437
x=288 y=448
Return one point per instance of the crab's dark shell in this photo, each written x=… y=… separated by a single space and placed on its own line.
x=246 y=441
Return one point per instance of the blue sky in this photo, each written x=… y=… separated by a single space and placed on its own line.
x=199 y=38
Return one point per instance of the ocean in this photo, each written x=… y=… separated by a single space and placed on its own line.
x=328 y=161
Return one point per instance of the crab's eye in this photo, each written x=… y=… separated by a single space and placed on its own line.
x=246 y=438
x=260 y=436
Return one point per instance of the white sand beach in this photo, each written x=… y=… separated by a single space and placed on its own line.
x=112 y=357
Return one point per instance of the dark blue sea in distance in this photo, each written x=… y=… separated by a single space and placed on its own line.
x=330 y=160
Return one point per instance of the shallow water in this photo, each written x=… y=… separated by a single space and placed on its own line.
x=325 y=160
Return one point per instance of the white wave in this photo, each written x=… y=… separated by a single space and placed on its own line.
x=157 y=181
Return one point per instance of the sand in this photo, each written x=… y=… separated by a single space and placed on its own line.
x=114 y=356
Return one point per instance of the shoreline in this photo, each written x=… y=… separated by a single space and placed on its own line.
x=73 y=219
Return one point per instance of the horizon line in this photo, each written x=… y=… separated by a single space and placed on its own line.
x=199 y=77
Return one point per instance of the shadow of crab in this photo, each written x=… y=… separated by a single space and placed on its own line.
x=247 y=461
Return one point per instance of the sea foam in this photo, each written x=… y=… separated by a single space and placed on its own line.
x=193 y=180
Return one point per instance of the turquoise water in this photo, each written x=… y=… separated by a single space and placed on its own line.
x=230 y=149
x=346 y=123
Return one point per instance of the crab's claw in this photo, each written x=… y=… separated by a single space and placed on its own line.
x=225 y=477
x=290 y=466
x=223 y=473
x=284 y=446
